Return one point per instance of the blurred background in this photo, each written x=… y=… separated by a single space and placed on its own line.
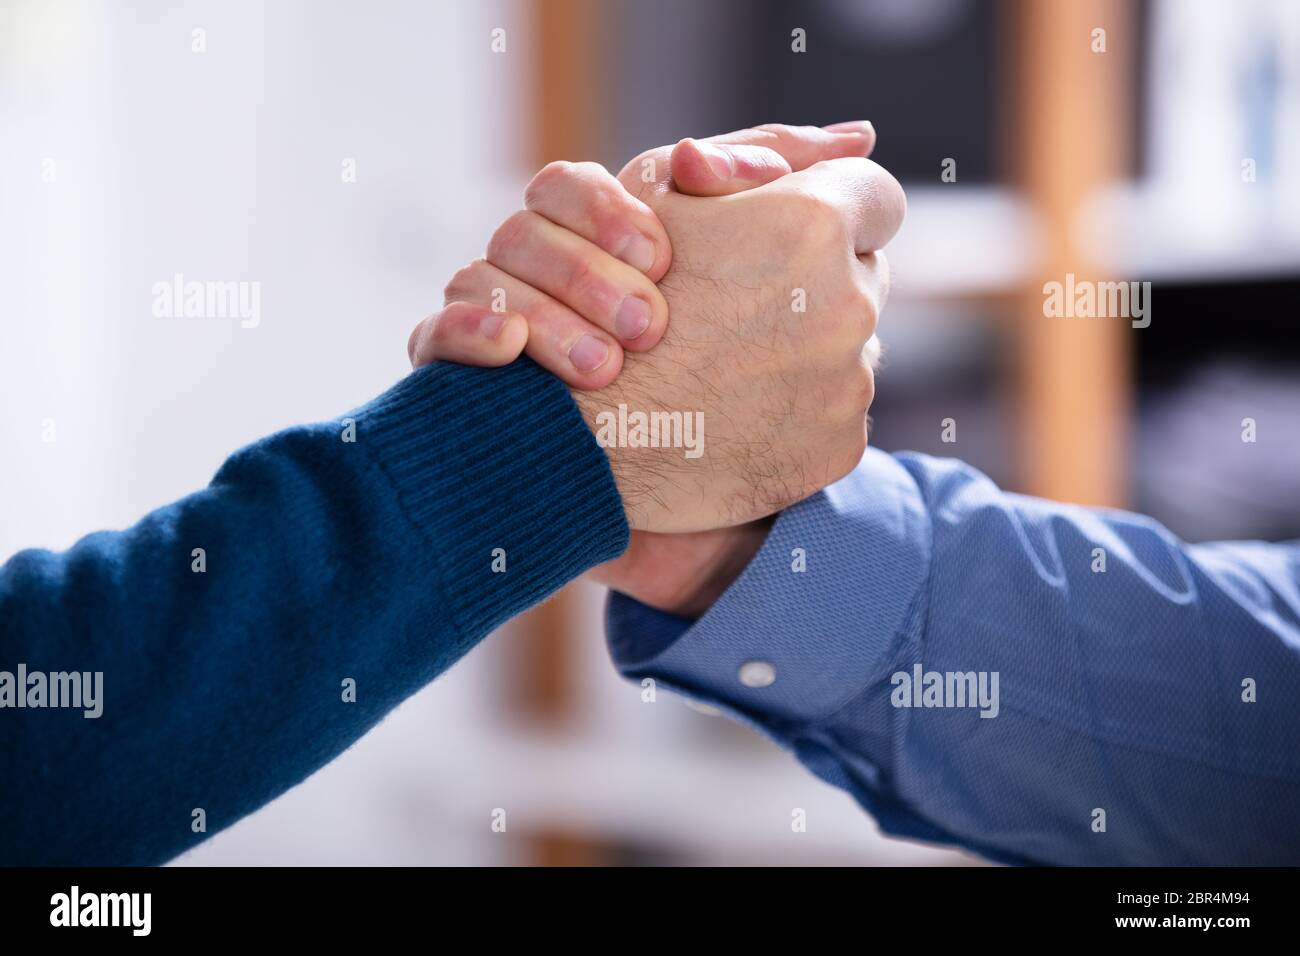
x=349 y=157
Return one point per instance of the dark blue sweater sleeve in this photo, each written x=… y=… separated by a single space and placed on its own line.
x=229 y=627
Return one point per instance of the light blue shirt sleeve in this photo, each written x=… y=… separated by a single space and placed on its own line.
x=1036 y=682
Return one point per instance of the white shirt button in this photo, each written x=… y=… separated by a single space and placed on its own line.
x=757 y=674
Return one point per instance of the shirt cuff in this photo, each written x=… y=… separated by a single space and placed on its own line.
x=785 y=647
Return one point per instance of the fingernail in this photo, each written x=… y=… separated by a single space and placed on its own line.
x=638 y=252
x=719 y=160
x=588 y=353
x=632 y=318
x=859 y=127
x=490 y=325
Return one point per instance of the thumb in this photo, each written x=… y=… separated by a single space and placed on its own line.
x=719 y=169
x=469 y=335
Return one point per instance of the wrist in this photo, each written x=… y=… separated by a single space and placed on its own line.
x=684 y=574
x=736 y=548
x=633 y=490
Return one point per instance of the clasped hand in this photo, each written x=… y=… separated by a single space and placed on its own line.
x=764 y=247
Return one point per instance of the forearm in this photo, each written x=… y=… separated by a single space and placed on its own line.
x=232 y=626
x=1118 y=690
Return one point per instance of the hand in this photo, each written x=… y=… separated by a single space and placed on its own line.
x=541 y=249
x=685 y=573
x=774 y=293
x=570 y=280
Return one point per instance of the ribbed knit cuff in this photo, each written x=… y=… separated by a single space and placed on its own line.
x=488 y=459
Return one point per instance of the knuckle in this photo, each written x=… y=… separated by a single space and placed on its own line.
x=607 y=203
x=866 y=383
x=561 y=178
x=849 y=452
x=804 y=225
x=651 y=157
x=856 y=389
x=845 y=318
x=510 y=234
x=639 y=176
x=654 y=154
x=872 y=352
x=857 y=447
x=778 y=131
x=888 y=198
x=440 y=329
x=589 y=170
x=862 y=305
x=465 y=282
x=548 y=179
x=580 y=282
x=453 y=320
x=847 y=396
x=897 y=198
x=594 y=185
x=822 y=222
x=414 y=342
x=838 y=325
x=884 y=279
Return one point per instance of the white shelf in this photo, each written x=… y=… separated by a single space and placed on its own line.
x=1178 y=232
x=958 y=241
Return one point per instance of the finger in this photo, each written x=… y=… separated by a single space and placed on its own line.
x=469 y=334
x=559 y=339
x=650 y=174
x=801 y=146
x=867 y=197
x=603 y=290
x=862 y=127
x=872 y=352
x=874 y=278
x=585 y=199
x=717 y=169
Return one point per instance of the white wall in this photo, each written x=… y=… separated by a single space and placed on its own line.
x=225 y=165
